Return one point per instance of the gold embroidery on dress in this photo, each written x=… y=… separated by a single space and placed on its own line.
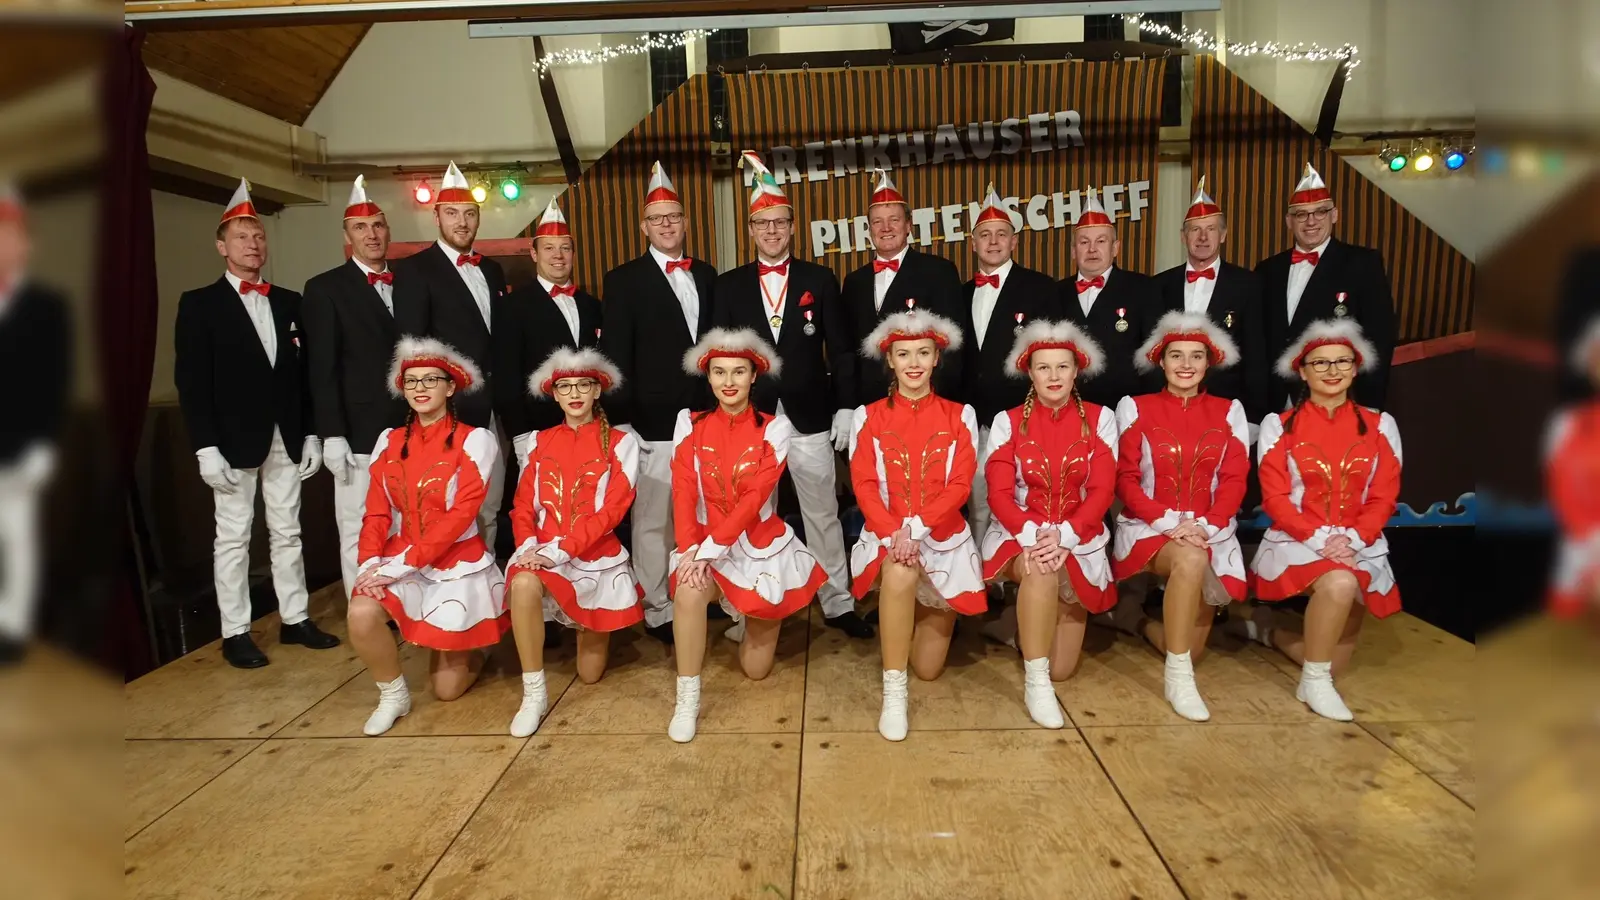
x=413 y=503
x=1187 y=480
x=1073 y=469
x=565 y=505
x=720 y=488
x=934 y=453
x=1343 y=489
x=896 y=460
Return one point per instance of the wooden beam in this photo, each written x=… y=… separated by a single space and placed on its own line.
x=558 y=119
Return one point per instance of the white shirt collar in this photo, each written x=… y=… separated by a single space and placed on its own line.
x=762 y=262
x=661 y=258
x=547 y=284
x=1106 y=275
x=368 y=269
x=1215 y=265
x=1320 y=249
x=898 y=257
x=1003 y=271
x=450 y=252
x=234 y=281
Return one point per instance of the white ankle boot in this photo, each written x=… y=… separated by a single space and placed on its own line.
x=892 y=722
x=534 y=703
x=1181 y=690
x=1316 y=691
x=1039 y=694
x=687 y=710
x=394 y=701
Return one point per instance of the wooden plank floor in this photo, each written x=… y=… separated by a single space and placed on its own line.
x=259 y=784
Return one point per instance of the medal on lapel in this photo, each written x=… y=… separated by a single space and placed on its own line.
x=810 y=329
x=1340 y=309
x=911 y=303
x=1122 y=318
x=1018 y=329
x=1227 y=320
x=775 y=321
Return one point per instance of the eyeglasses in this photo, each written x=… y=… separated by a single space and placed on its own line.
x=430 y=382
x=665 y=218
x=1301 y=215
x=568 y=388
x=770 y=224
x=1342 y=365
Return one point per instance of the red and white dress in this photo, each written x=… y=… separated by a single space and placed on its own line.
x=570 y=499
x=1572 y=477
x=1321 y=479
x=725 y=472
x=911 y=464
x=421 y=529
x=1054 y=476
x=1181 y=459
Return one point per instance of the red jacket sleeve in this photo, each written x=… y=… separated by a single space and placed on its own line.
x=620 y=486
x=1383 y=492
x=686 y=528
x=958 y=487
x=525 y=506
x=864 y=478
x=378 y=518
x=774 y=449
x=1100 y=488
x=1275 y=482
x=1000 y=477
x=479 y=449
x=1233 y=472
x=1560 y=478
x=1130 y=451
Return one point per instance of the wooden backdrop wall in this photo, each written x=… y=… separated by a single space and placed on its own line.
x=1252 y=154
x=1120 y=103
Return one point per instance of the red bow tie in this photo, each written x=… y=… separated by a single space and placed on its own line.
x=779 y=269
x=469 y=259
x=1099 y=281
x=878 y=265
x=1296 y=257
x=1193 y=275
x=246 y=287
x=674 y=265
x=563 y=290
x=982 y=280
x=375 y=277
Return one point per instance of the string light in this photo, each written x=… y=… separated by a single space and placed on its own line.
x=1201 y=39
x=663 y=41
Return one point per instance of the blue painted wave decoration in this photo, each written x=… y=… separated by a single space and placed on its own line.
x=1438 y=514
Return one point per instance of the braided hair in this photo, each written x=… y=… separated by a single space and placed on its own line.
x=1027 y=407
x=449 y=439
x=1303 y=394
x=411 y=419
x=605 y=429
x=1083 y=415
x=894 y=384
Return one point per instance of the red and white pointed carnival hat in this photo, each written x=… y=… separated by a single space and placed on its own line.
x=1093 y=213
x=423 y=352
x=764 y=190
x=454 y=187
x=1187 y=326
x=885 y=191
x=732 y=343
x=553 y=223
x=992 y=210
x=360 y=206
x=239 y=206
x=1043 y=334
x=1323 y=333
x=911 y=325
x=10 y=202
x=569 y=363
x=1311 y=189
x=1202 y=205
x=660 y=189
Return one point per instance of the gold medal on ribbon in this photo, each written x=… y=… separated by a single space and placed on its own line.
x=776 y=321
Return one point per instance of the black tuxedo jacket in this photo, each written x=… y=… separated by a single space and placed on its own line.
x=35 y=338
x=813 y=384
x=350 y=342
x=935 y=285
x=1356 y=272
x=231 y=395
x=1027 y=292
x=1137 y=297
x=646 y=335
x=1576 y=309
x=433 y=289
x=1236 y=308
x=530 y=328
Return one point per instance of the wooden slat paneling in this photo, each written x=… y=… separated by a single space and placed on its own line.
x=282 y=72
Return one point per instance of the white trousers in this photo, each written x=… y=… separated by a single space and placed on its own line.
x=812 y=467
x=349 y=507
x=489 y=512
x=19 y=554
x=978 y=503
x=651 y=520
x=230 y=557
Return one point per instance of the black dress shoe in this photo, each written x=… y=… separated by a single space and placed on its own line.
x=662 y=633
x=870 y=618
x=242 y=653
x=307 y=634
x=850 y=624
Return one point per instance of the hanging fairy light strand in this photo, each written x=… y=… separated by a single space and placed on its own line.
x=663 y=41
x=1201 y=39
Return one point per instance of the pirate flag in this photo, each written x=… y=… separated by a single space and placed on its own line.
x=920 y=37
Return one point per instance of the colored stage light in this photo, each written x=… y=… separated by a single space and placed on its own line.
x=423 y=193
x=480 y=191
x=1397 y=161
x=1494 y=161
x=1423 y=162
x=510 y=190
x=1454 y=157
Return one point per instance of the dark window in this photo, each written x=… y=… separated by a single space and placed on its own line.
x=1172 y=80
x=669 y=67
x=724 y=46
x=1104 y=28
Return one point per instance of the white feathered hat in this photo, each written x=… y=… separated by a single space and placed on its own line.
x=1043 y=334
x=424 y=352
x=566 y=362
x=911 y=325
x=728 y=343
x=1323 y=333
x=1585 y=348
x=1187 y=326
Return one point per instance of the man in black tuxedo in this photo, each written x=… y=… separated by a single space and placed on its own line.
x=655 y=308
x=352 y=324
x=547 y=315
x=36 y=339
x=898 y=279
x=1576 y=310
x=1118 y=308
x=1230 y=295
x=243 y=395
x=1324 y=278
x=797 y=304
x=459 y=293
x=1003 y=297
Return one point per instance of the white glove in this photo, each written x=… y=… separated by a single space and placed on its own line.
x=37 y=464
x=310 y=457
x=840 y=432
x=519 y=445
x=214 y=470
x=336 y=457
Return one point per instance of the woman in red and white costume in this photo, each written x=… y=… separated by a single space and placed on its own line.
x=422 y=561
x=1572 y=477
x=577 y=483
x=1051 y=470
x=1183 y=460
x=1330 y=478
x=912 y=458
x=731 y=543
